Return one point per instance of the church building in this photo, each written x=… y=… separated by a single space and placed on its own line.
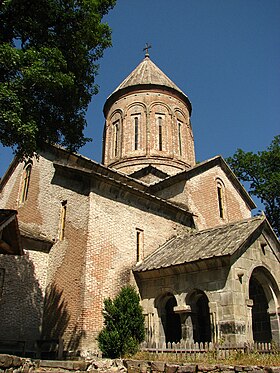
x=74 y=231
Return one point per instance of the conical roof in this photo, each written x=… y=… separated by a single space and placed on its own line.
x=147 y=75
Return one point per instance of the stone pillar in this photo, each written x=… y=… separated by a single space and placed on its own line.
x=275 y=325
x=186 y=321
x=249 y=326
x=214 y=322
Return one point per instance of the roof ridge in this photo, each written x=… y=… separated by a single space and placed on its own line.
x=224 y=226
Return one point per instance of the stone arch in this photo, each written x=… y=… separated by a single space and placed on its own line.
x=160 y=103
x=264 y=292
x=135 y=140
x=25 y=181
x=200 y=316
x=135 y=104
x=114 y=113
x=169 y=322
x=221 y=196
x=114 y=134
x=182 y=116
x=160 y=124
x=181 y=134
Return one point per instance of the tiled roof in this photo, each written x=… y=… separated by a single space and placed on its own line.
x=200 y=245
x=144 y=77
x=147 y=73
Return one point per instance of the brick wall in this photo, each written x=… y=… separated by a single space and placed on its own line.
x=40 y=214
x=95 y=257
x=111 y=251
x=199 y=195
x=148 y=106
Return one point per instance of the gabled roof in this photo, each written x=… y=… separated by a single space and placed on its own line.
x=10 y=241
x=200 y=168
x=210 y=243
x=146 y=76
x=149 y=170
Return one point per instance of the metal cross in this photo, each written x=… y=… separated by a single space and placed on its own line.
x=147 y=47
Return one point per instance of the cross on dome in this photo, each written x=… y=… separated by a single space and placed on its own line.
x=147 y=47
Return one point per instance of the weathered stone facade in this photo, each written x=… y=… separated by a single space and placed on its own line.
x=180 y=232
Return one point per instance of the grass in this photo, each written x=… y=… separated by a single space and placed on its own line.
x=212 y=357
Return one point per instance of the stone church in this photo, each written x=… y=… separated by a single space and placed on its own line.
x=73 y=232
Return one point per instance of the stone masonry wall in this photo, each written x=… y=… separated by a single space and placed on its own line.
x=226 y=288
x=21 y=301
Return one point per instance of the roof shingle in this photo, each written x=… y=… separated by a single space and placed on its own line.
x=200 y=245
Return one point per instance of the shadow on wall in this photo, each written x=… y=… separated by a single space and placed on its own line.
x=21 y=304
x=56 y=323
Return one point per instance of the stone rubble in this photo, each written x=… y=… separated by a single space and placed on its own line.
x=15 y=364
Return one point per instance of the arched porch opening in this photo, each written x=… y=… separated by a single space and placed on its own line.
x=171 y=330
x=200 y=316
x=264 y=292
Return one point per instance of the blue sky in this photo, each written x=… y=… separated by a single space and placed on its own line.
x=224 y=54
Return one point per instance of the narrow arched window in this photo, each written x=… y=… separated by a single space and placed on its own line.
x=139 y=244
x=220 y=195
x=136 y=133
x=160 y=133
x=62 y=220
x=180 y=137
x=116 y=137
x=25 y=183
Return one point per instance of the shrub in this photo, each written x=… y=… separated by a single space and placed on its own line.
x=123 y=324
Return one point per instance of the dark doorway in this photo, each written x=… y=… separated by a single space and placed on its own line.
x=173 y=332
x=260 y=316
x=170 y=321
x=200 y=317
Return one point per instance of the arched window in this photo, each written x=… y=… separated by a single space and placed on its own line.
x=159 y=120
x=62 y=220
x=139 y=244
x=25 y=183
x=136 y=133
x=221 y=199
x=116 y=137
x=180 y=137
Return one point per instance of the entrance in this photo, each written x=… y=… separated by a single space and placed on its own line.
x=172 y=328
x=264 y=292
x=170 y=321
x=200 y=317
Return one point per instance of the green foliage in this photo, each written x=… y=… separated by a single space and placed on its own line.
x=262 y=171
x=48 y=53
x=124 y=324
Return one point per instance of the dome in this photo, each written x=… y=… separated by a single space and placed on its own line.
x=144 y=76
x=148 y=125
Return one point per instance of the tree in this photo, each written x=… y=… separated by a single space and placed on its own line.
x=48 y=54
x=124 y=324
x=262 y=171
